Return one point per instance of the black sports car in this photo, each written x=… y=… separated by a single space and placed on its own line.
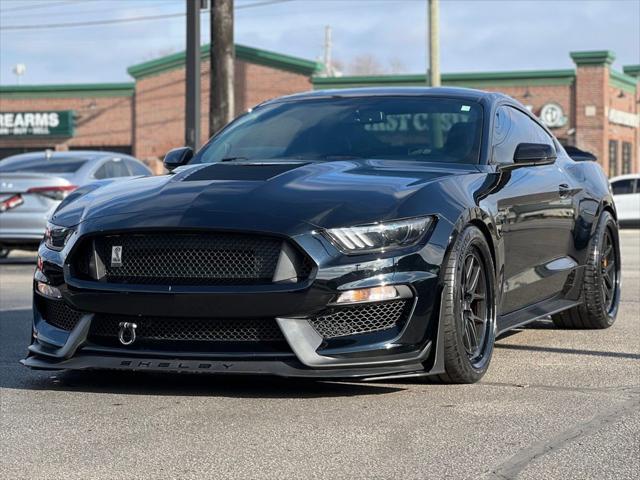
x=350 y=233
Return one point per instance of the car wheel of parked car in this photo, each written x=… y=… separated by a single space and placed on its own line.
x=4 y=252
x=468 y=310
x=601 y=281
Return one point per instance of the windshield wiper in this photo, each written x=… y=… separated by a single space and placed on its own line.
x=232 y=159
x=341 y=157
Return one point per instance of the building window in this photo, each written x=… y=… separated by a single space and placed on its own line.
x=626 y=157
x=613 y=158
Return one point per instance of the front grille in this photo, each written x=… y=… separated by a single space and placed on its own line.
x=58 y=313
x=358 y=319
x=189 y=329
x=169 y=258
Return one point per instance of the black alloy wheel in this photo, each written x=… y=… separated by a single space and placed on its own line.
x=608 y=269
x=600 y=281
x=475 y=310
x=468 y=312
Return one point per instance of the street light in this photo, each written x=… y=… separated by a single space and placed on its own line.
x=19 y=70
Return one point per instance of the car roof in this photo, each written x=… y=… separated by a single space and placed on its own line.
x=448 y=92
x=628 y=176
x=91 y=155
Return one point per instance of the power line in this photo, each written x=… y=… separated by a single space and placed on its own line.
x=39 y=5
x=123 y=20
x=105 y=8
x=261 y=4
x=91 y=23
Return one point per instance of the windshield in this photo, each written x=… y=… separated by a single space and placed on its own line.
x=42 y=165
x=396 y=128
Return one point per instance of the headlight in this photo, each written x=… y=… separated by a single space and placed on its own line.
x=380 y=236
x=56 y=237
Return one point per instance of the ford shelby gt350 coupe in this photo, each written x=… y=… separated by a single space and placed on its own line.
x=337 y=234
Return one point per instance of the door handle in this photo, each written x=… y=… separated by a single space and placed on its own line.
x=563 y=190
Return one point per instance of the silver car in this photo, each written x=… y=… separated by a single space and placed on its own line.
x=33 y=184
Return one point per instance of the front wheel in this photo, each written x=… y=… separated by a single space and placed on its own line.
x=601 y=281
x=468 y=310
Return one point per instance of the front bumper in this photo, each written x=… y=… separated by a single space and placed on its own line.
x=407 y=349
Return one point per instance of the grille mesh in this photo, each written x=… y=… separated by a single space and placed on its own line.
x=354 y=320
x=202 y=258
x=190 y=329
x=58 y=314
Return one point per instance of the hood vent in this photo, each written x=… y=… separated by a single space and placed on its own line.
x=241 y=171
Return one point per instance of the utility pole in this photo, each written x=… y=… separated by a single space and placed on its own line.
x=221 y=99
x=192 y=105
x=328 y=65
x=434 y=42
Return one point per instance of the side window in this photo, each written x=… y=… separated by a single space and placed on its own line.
x=102 y=172
x=521 y=129
x=119 y=168
x=623 y=187
x=530 y=131
x=136 y=168
x=501 y=124
x=111 y=169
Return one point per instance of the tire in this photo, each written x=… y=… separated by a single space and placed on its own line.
x=4 y=252
x=600 y=305
x=463 y=362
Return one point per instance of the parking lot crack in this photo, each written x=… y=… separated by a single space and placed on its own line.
x=513 y=466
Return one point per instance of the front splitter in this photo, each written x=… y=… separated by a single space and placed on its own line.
x=234 y=367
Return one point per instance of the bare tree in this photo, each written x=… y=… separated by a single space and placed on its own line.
x=365 y=64
x=396 y=65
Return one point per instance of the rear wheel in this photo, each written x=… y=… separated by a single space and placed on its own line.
x=468 y=313
x=601 y=281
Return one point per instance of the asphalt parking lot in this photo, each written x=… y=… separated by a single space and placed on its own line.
x=556 y=404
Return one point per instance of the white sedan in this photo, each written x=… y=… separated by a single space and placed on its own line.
x=626 y=194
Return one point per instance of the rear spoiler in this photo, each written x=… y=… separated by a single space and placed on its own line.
x=580 y=155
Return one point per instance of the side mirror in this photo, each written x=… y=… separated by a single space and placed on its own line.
x=534 y=154
x=177 y=157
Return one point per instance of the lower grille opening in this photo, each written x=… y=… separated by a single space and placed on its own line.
x=168 y=333
x=58 y=313
x=359 y=319
x=192 y=334
x=190 y=329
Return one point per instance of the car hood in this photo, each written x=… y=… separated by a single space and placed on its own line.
x=246 y=195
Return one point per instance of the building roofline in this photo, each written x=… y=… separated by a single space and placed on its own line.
x=472 y=79
x=68 y=90
x=632 y=70
x=593 y=57
x=623 y=81
x=244 y=53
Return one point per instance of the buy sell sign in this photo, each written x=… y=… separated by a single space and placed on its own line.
x=58 y=123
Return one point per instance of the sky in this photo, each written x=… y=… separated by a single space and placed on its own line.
x=475 y=35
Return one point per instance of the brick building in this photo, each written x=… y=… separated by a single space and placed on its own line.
x=591 y=106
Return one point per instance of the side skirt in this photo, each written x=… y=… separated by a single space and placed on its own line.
x=534 y=312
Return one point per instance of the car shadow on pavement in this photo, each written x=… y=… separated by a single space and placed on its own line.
x=572 y=351
x=172 y=384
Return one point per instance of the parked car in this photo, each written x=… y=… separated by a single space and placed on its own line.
x=33 y=184
x=359 y=233
x=626 y=194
